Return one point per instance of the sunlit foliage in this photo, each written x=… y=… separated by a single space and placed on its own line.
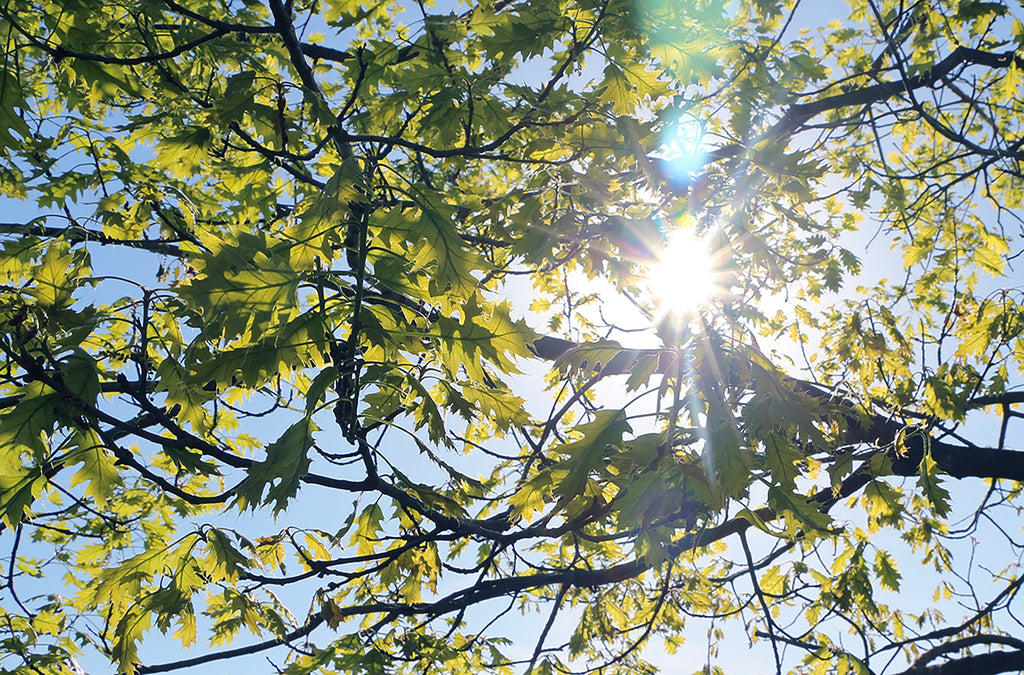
x=337 y=334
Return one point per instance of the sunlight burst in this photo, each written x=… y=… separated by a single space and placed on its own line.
x=684 y=277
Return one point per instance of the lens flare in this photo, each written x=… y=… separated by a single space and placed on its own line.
x=682 y=153
x=683 y=279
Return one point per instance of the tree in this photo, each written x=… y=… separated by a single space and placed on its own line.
x=281 y=281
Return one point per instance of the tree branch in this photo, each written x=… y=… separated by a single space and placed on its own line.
x=60 y=52
x=800 y=113
x=80 y=234
x=963 y=643
x=312 y=623
x=980 y=664
x=955 y=460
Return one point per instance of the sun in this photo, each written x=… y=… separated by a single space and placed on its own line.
x=683 y=278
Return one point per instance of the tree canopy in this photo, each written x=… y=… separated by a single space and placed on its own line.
x=310 y=352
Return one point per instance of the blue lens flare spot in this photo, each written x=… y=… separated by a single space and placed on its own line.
x=682 y=153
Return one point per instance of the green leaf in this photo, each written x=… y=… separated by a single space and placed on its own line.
x=755 y=520
x=18 y=491
x=591 y=356
x=223 y=561
x=280 y=474
x=186 y=151
x=25 y=426
x=882 y=502
x=10 y=101
x=482 y=334
x=642 y=370
x=99 y=470
x=368 y=527
x=943 y=399
x=244 y=289
x=319 y=386
x=237 y=97
x=931 y=486
x=886 y=571
x=799 y=512
x=183 y=394
x=783 y=460
x=58 y=274
x=429 y=239
x=498 y=404
x=80 y=375
x=531 y=496
x=586 y=455
x=323 y=219
x=425 y=412
x=275 y=352
x=617 y=90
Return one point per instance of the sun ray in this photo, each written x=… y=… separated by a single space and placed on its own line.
x=683 y=278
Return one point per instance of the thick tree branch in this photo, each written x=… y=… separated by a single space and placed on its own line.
x=60 y=52
x=955 y=460
x=489 y=589
x=225 y=26
x=81 y=234
x=1008 y=398
x=963 y=643
x=979 y=664
x=799 y=114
